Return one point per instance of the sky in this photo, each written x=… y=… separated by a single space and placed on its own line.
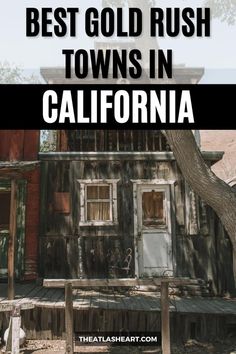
x=217 y=52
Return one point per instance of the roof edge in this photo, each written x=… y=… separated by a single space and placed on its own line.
x=212 y=156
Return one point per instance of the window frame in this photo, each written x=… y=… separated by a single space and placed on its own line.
x=112 y=183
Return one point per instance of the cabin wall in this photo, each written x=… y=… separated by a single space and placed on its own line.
x=32 y=215
x=89 y=250
x=203 y=248
x=17 y=146
x=200 y=247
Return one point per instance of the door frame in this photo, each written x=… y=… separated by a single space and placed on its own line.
x=149 y=183
x=5 y=185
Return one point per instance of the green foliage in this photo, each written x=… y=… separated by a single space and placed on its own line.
x=12 y=74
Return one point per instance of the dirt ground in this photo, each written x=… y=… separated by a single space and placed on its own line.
x=193 y=347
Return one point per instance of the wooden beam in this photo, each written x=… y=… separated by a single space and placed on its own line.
x=170 y=280
x=62 y=141
x=16 y=145
x=165 y=318
x=13 y=340
x=12 y=241
x=6 y=306
x=129 y=282
x=69 y=318
x=77 y=283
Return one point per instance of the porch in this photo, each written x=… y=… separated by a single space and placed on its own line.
x=130 y=310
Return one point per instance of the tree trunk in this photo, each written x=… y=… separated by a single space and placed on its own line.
x=215 y=192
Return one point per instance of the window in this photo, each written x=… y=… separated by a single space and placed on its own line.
x=5 y=201
x=98 y=202
x=153 y=208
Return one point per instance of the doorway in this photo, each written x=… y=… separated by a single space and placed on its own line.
x=5 y=205
x=154 y=238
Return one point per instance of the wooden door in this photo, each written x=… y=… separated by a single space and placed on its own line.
x=154 y=231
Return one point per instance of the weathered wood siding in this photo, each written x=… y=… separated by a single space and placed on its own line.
x=112 y=140
x=23 y=145
x=32 y=214
x=201 y=249
x=16 y=145
x=27 y=227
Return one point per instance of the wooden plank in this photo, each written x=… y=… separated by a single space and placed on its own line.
x=165 y=318
x=69 y=318
x=8 y=306
x=60 y=283
x=124 y=155
x=20 y=230
x=62 y=140
x=12 y=242
x=129 y=282
x=31 y=144
x=171 y=281
x=16 y=144
x=13 y=341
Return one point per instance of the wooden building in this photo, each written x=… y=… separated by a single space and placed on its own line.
x=111 y=204
x=19 y=168
x=115 y=204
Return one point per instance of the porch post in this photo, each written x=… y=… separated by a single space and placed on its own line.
x=13 y=340
x=165 y=318
x=12 y=242
x=69 y=318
